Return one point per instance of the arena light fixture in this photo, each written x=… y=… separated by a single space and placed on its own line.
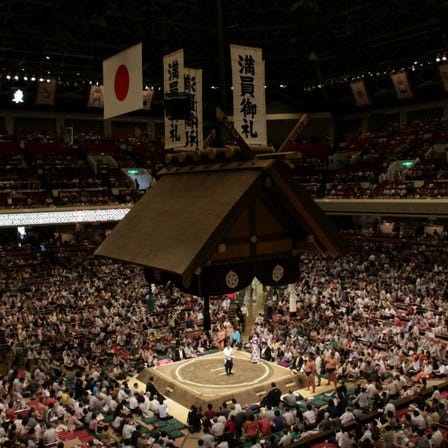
x=62 y=217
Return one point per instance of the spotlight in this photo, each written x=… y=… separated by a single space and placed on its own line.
x=443 y=58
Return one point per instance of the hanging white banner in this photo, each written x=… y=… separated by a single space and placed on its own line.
x=249 y=102
x=95 y=96
x=46 y=92
x=360 y=93
x=443 y=70
x=402 y=85
x=173 y=86
x=194 y=138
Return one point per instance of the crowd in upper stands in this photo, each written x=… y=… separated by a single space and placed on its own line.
x=36 y=167
x=39 y=171
x=371 y=164
x=378 y=315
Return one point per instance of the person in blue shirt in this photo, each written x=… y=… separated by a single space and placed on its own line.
x=277 y=422
x=235 y=338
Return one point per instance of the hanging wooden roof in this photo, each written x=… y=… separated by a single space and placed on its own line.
x=204 y=214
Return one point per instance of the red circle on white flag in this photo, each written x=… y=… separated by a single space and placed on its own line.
x=121 y=82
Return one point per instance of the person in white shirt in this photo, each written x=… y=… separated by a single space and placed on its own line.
x=285 y=439
x=237 y=406
x=425 y=372
x=288 y=417
x=217 y=429
x=344 y=440
x=436 y=437
x=346 y=417
x=318 y=362
x=228 y=358
x=49 y=435
x=361 y=399
x=208 y=439
x=163 y=410
x=133 y=403
x=389 y=407
x=122 y=395
x=128 y=429
x=371 y=390
x=418 y=421
x=223 y=444
x=154 y=404
x=145 y=406
x=309 y=417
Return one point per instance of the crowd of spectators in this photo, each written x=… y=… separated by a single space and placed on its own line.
x=368 y=173
x=374 y=319
x=371 y=324
x=43 y=172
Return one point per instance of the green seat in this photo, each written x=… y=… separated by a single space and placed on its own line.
x=150 y=420
x=175 y=434
x=176 y=424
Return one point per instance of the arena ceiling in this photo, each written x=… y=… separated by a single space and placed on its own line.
x=306 y=43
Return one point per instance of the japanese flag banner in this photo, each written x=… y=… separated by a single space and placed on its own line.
x=123 y=82
x=249 y=100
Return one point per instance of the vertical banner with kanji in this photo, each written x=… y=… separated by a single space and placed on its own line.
x=360 y=93
x=95 y=96
x=194 y=138
x=173 y=84
x=443 y=70
x=402 y=85
x=46 y=92
x=148 y=96
x=249 y=102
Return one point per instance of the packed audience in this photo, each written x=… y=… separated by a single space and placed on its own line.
x=372 y=324
x=39 y=171
x=361 y=165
